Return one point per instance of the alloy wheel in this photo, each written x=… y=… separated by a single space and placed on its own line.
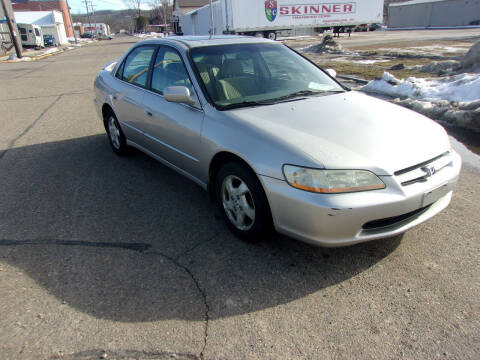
x=238 y=202
x=114 y=132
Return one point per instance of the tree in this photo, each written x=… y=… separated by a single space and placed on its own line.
x=160 y=11
x=135 y=5
x=141 y=22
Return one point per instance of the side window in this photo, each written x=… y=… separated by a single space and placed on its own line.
x=36 y=32
x=168 y=70
x=23 y=31
x=119 y=72
x=135 y=67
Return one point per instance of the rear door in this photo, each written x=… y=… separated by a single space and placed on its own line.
x=127 y=97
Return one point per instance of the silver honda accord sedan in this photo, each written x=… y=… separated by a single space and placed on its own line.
x=277 y=141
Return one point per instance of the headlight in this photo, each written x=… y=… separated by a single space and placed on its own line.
x=331 y=181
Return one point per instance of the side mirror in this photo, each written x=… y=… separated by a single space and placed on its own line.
x=331 y=72
x=179 y=94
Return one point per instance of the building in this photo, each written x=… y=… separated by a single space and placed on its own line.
x=386 y=4
x=434 y=13
x=78 y=29
x=46 y=5
x=181 y=7
x=97 y=28
x=51 y=23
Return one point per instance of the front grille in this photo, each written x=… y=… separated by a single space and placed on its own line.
x=420 y=172
x=380 y=223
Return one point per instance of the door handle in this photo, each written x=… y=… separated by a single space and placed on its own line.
x=114 y=97
x=149 y=113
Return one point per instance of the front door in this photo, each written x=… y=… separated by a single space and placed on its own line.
x=174 y=128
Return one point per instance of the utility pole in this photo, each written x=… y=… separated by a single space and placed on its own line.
x=12 y=28
x=165 y=5
x=92 y=13
x=212 y=31
x=88 y=16
x=71 y=22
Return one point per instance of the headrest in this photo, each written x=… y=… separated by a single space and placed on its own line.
x=232 y=68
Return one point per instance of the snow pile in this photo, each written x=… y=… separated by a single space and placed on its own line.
x=13 y=57
x=455 y=99
x=471 y=60
x=328 y=45
x=462 y=87
x=438 y=67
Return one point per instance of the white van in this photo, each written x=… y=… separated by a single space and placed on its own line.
x=31 y=35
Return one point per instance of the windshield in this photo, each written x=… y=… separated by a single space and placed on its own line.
x=258 y=74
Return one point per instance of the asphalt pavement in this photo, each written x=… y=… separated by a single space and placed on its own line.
x=122 y=258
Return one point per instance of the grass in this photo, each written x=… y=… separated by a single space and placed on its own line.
x=373 y=71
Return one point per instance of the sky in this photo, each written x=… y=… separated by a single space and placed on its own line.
x=78 y=6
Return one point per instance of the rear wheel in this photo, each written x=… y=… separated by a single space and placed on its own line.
x=272 y=35
x=243 y=203
x=115 y=135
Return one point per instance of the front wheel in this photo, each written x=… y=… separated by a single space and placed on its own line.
x=243 y=203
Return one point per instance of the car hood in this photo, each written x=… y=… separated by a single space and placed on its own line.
x=350 y=130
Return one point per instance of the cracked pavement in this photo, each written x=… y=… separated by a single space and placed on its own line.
x=122 y=258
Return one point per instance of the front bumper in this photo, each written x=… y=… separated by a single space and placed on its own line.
x=346 y=219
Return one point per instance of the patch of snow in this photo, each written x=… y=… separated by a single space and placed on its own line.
x=70 y=47
x=13 y=57
x=368 y=62
x=431 y=49
x=453 y=99
x=462 y=87
x=50 y=51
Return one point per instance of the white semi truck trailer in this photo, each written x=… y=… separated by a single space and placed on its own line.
x=267 y=18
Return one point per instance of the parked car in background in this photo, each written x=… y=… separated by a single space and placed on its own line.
x=88 y=35
x=276 y=140
x=49 y=40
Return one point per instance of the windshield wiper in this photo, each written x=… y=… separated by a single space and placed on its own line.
x=244 y=104
x=304 y=93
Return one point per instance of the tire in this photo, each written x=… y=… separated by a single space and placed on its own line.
x=247 y=196
x=115 y=135
x=272 y=35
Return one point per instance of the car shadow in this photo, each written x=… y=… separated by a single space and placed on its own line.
x=127 y=239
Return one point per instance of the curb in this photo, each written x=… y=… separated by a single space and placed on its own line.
x=40 y=57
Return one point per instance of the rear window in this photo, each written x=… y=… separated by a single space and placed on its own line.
x=135 y=69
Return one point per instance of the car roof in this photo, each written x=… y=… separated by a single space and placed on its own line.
x=201 y=41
